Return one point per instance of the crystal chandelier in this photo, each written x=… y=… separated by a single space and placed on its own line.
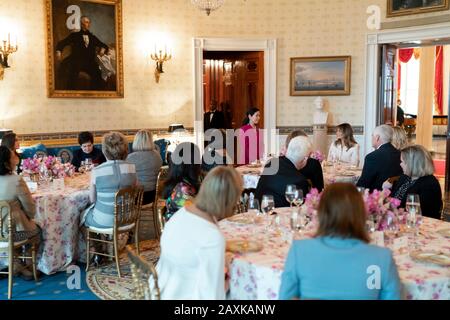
x=208 y=5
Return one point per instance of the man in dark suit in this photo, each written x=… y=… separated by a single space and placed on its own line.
x=289 y=167
x=83 y=58
x=382 y=163
x=213 y=119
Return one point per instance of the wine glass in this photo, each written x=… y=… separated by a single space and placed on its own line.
x=298 y=221
x=298 y=201
x=88 y=163
x=290 y=193
x=414 y=215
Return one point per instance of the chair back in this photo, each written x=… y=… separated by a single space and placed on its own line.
x=160 y=203
x=127 y=206
x=141 y=272
x=6 y=223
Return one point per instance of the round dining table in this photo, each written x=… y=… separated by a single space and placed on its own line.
x=331 y=173
x=58 y=210
x=257 y=275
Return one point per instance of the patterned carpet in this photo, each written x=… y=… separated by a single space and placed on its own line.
x=104 y=282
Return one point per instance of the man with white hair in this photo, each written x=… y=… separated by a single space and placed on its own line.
x=383 y=163
x=288 y=172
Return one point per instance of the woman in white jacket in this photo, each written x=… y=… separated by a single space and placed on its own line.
x=344 y=149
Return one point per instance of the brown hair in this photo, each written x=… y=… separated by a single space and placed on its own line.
x=342 y=213
x=115 y=146
x=347 y=131
x=293 y=134
x=9 y=140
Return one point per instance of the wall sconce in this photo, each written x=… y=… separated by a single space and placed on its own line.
x=6 y=48
x=160 y=57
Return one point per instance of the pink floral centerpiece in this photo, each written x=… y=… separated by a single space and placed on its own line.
x=50 y=166
x=380 y=208
x=317 y=155
x=383 y=209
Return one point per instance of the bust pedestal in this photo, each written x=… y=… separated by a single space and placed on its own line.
x=320 y=140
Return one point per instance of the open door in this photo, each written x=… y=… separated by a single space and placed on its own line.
x=387 y=107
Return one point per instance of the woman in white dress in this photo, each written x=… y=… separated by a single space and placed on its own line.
x=344 y=149
x=192 y=262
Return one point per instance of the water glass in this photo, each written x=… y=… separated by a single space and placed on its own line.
x=253 y=208
x=267 y=204
x=290 y=193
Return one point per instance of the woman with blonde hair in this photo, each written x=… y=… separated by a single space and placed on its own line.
x=418 y=178
x=147 y=161
x=345 y=148
x=107 y=179
x=192 y=261
x=399 y=138
x=337 y=262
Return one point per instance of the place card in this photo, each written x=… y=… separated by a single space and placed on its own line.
x=32 y=186
x=400 y=244
x=377 y=238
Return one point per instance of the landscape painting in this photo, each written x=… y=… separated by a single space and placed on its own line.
x=320 y=76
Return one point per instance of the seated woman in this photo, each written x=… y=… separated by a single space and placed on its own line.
x=10 y=141
x=216 y=151
x=399 y=138
x=418 y=178
x=183 y=179
x=107 y=179
x=313 y=169
x=147 y=161
x=14 y=190
x=250 y=138
x=192 y=261
x=87 y=151
x=344 y=149
x=336 y=263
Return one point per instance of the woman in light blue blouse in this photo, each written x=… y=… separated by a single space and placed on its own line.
x=339 y=262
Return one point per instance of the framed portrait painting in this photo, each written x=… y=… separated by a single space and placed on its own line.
x=320 y=76
x=84 y=48
x=397 y=8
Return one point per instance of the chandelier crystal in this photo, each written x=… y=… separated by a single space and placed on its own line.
x=208 y=5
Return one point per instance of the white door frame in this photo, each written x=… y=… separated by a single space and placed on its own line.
x=441 y=30
x=269 y=46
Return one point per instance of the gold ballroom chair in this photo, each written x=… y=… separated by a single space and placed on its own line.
x=127 y=212
x=159 y=205
x=141 y=272
x=6 y=243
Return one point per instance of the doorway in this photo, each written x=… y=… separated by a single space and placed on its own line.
x=234 y=82
x=268 y=47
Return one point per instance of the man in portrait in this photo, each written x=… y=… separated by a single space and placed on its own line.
x=82 y=67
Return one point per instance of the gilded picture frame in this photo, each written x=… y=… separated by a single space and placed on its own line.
x=84 y=49
x=320 y=76
x=396 y=8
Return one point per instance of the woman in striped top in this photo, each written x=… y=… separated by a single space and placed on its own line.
x=107 y=179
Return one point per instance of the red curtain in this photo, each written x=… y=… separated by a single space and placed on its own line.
x=404 y=55
x=439 y=80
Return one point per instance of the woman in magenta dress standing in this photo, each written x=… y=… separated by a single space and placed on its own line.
x=251 y=140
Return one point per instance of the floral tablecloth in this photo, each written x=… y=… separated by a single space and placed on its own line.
x=250 y=175
x=58 y=215
x=257 y=276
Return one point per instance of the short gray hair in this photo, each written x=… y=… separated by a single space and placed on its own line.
x=418 y=160
x=299 y=148
x=385 y=132
x=143 y=141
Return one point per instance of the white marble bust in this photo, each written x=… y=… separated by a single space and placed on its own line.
x=320 y=115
